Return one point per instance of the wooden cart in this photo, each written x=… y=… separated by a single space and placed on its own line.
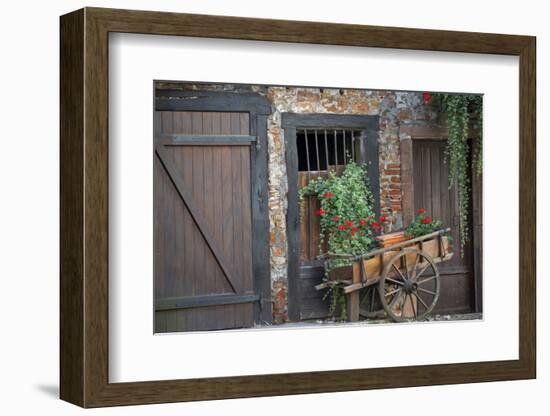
x=405 y=273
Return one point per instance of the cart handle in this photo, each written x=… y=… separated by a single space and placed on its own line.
x=328 y=256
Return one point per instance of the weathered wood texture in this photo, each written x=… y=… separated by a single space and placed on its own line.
x=208 y=251
x=71 y=218
x=303 y=226
x=310 y=221
x=210 y=101
x=431 y=191
x=311 y=271
x=375 y=262
x=84 y=190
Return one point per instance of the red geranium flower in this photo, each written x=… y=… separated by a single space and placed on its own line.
x=336 y=218
x=427 y=220
x=342 y=227
x=420 y=211
x=321 y=212
x=354 y=231
x=362 y=221
x=375 y=225
x=383 y=218
x=349 y=223
x=327 y=194
x=427 y=97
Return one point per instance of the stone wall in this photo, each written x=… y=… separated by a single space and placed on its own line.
x=394 y=109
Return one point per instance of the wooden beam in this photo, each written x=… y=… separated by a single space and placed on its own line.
x=353 y=297
x=332 y=121
x=203 y=301
x=292 y=223
x=260 y=216
x=206 y=140
x=175 y=100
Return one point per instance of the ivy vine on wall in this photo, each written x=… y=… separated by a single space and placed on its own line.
x=465 y=123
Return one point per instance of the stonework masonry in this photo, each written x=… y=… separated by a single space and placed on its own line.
x=394 y=109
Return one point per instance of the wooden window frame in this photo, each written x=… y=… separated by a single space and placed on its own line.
x=368 y=153
x=84 y=139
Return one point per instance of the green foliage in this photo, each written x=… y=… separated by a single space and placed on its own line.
x=337 y=302
x=346 y=213
x=463 y=112
x=346 y=218
x=423 y=224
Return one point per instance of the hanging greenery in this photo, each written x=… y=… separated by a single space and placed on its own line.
x=347 y=221
x=465 y=121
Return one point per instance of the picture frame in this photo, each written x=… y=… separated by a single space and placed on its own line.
x=84 y=279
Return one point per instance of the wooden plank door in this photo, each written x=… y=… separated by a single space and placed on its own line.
x=431 y=191
x=203 y=232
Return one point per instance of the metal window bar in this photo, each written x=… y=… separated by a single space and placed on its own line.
x=326 y=150
x=307 y=153
x=353 y=146
x=335 y=150
x=317 y=154
x=343 y=140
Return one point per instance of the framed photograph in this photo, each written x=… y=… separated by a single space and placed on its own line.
x=256 y=207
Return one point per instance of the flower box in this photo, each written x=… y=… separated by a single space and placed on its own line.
x=390 y=239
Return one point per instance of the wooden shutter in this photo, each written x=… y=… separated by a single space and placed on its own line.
x=203 y=222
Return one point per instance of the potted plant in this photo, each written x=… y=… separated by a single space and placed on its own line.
x=423 y=224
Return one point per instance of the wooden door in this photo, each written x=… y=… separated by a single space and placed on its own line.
x=316 y=144
x=203 y=221
x=431 y=191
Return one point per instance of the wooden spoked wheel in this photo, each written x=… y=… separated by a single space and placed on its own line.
x=409 y=285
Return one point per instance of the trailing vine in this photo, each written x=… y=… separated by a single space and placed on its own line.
x=465 y=121
x=337 y=302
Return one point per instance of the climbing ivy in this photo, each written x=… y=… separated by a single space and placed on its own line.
x=464 y=120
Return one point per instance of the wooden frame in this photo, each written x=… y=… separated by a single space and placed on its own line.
x=368 y=153
x=84 y=207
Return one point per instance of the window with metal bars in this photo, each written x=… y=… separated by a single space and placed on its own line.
x=325 y=149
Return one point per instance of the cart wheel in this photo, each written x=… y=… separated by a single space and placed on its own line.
x=409 y=286
x=368 y=302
